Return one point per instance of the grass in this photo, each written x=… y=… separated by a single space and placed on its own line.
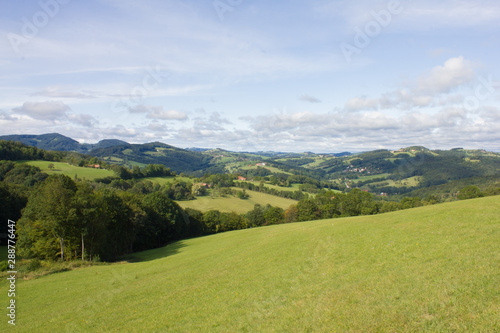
x=234 y=204
x=433 y=268
x=245 y=166
x=292 y=188
x=70 y=170
x=164 y=180
x=26 y=270
x=407 y=182
x=370 y=177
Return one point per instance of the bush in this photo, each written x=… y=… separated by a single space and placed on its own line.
x=4 y=266
x=34 y=265
x=470 y=192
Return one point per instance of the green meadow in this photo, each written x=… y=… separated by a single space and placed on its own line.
x=433 y=268
x=234 y=204
x=292 y=188
x=70 y=170
x=165 y=180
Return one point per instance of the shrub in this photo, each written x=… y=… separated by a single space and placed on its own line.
x=470 y=192
x=34 y=265
x=4 y=266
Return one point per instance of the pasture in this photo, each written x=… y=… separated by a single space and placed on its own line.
x=234 y=204
x=70 y=170
x=433 y=268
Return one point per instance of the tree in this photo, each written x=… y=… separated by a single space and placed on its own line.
x=51 y=166
x=243 y=194
x=87 y=218
x=407 y=202
x=48 y=217
x=470 y=192
x=308 y=210
x=231 y=221
x=165 y=218
x=291 y=214
x=274 y=215
x=195 y=222
x=11 y=204
x=211 y=220
x=199 y=190
x=256 y=216
x=137 y=173
x=117 y=231
x=390 y=206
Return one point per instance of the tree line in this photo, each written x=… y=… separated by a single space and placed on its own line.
x=61 y=217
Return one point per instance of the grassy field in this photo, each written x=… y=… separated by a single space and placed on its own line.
x=407 y=182
x=234 y=204
x=164 y=180
x=292 y=188
x=434 y=268
x=365 y=178
x=245 y=166
x=71 y=170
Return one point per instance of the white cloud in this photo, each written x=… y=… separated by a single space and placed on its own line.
x=57 y=92
x=120 y=131
x=361 y=103
x=431 y=89
x=139 y=108
x=160 y=114
x=446 y=128
x=82 y=119
x=157 y=112
x=50 y=110
x=452 y=13
x=443 y=79
x=310 y=99
x=415 y=15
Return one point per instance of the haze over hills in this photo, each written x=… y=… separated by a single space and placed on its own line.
x=56 y=141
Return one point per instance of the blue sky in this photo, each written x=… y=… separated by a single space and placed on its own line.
x=318 y=75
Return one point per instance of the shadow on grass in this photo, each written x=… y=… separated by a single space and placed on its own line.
x=148 y=255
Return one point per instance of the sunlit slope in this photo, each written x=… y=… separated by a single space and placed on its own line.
x=62 y=168
x=234 y=204
x=434 y=268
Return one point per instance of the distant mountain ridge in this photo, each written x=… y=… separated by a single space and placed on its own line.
x=121 y=152
x=56 y=141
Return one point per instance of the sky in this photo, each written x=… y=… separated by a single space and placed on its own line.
x=254 y=75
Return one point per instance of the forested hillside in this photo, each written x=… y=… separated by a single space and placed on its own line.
x=55 y=141
x=177 y=159
x=63 y=215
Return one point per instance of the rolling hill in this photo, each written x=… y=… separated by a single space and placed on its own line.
x=177 y=159
x=397 y=172
x=434 y=268
x=56 y=141
x=51 y=141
